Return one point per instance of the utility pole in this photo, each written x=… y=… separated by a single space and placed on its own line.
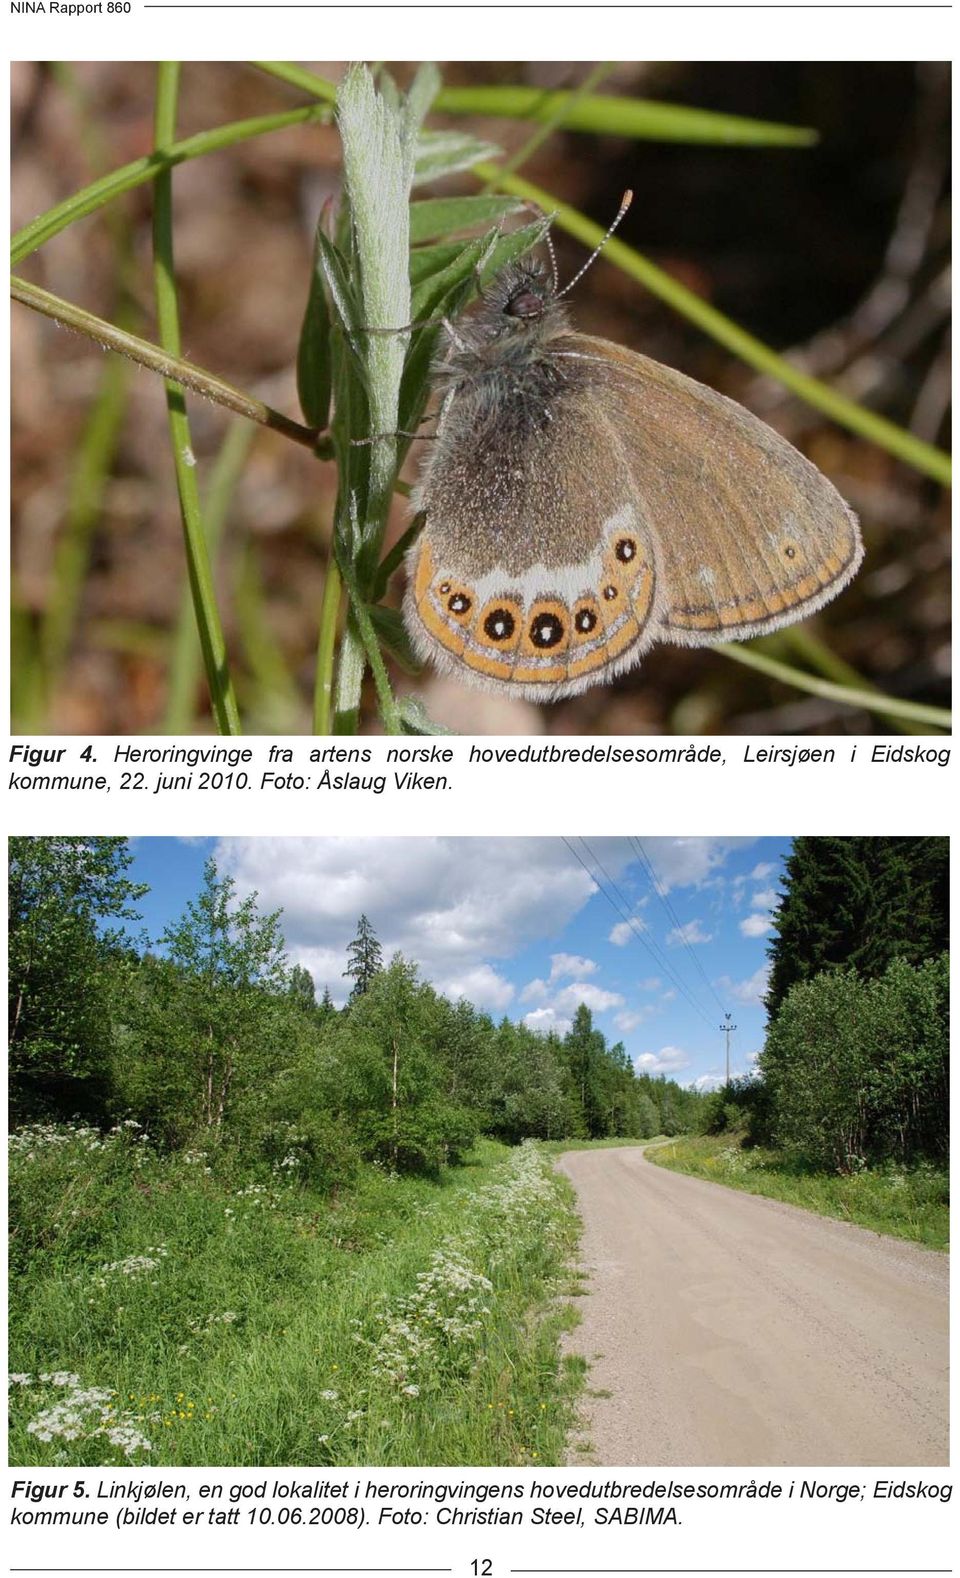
x=727 y=1030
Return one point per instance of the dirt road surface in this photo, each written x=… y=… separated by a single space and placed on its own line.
x=734 y=1330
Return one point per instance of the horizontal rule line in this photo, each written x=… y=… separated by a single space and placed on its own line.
x=296 y=5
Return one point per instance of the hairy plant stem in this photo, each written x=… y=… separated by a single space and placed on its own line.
x=159 y=359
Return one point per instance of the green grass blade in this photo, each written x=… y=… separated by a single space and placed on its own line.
x=895 y=440
x=186 y=661
x=562 y=107
x=933 y=718
x=327 y=649
x=96 y=450
x=212 y=641
x=604 y=114
x=139 y=171
x=607 y=115
x=274 y=701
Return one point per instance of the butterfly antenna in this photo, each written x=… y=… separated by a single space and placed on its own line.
x=553 y=263
x=625 y=202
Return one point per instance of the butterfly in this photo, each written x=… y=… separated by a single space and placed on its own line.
x=582 y=502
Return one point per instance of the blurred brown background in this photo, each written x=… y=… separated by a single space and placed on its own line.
x=837 y=254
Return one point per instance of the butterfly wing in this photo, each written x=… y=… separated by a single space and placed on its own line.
x=534 y=571
x=749 y=534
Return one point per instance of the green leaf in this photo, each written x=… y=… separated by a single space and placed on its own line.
x=445 y=216
x=441 y=153
x=314 y=366
x=622 y=117
x=392 y=635
x=414 y=718
x=414 y=109
x=343 y=298
x=426 y=261
x=393 y=560
x=492 y=252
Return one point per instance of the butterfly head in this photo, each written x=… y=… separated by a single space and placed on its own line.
x=521 y=302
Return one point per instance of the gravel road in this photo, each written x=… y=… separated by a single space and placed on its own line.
x=734 y=1330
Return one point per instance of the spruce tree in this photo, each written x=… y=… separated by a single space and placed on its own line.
x=858 y=903
x=364 y=958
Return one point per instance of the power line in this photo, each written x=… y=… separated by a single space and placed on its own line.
x=653 y=947
x=664 y=898
x=621 y=907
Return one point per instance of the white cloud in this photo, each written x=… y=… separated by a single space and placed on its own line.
x=691 y=932
x=594 y=997
x=766 y=899
x=449 y=904
x=630 y=1019
x=558 y=1007
x=706 y=1082
x=763 y=870
x=752 y=990
x=669 y=1060
x=625 y=931
x=756 y=925
x=481 y=986
x=570 y=964
x=688 y=862
x=651 y=983
x=543 y=1020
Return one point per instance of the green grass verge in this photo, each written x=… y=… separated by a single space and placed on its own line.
x=237 y=1319
x=558 y=1147
x=906 y=1202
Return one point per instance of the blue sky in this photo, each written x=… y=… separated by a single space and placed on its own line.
x=518 y=926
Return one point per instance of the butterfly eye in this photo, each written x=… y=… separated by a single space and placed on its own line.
x=525 y=304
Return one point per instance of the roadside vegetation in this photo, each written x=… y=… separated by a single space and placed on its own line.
x=171 y=1310
x=907 y=1202
x=250 y=1227
x=848 y=1113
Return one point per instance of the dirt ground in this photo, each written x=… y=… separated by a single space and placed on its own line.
x=722 y=1328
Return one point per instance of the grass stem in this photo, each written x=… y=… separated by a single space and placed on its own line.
x=212 y=642
x=935 y=718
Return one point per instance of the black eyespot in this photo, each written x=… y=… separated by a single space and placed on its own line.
x=585 y=621
x=609 y=592
x=499 y=624
x=458 y=604
x=546 y=630
x=626 y=550
x=444 y=588
x=790 y=552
